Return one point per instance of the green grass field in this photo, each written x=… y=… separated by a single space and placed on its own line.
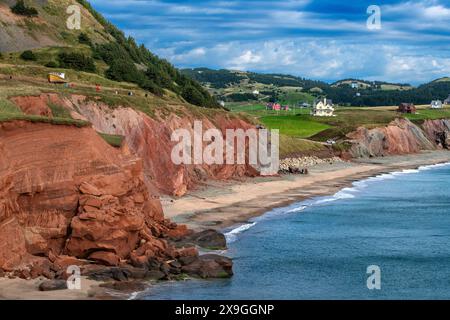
x=432 y=114
x=296 y=126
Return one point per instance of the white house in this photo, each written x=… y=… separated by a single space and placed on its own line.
x=436 y=104
x=256 y=92
x=324 y=108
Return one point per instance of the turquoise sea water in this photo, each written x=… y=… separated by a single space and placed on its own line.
x=321 y=248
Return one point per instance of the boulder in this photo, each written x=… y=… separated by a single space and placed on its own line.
x=209 y=239
x=210 y=266
x=108 y=274
x=53 y=285
x=105 y=258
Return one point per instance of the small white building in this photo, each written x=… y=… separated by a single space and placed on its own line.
x=256 y=92
x=324 y=108
x=436 y=104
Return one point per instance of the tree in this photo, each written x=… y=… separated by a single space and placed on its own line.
x=152 y=87
x=28 y=56
x=123 y=70
x=193 y=96
x=21 y=9
x=83 y=38
x=76 y=61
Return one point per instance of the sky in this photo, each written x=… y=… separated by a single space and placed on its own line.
x=317 y=39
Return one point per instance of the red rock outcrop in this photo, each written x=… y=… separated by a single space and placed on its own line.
x=399 y=137
x=437 y=130
x=65 y=194
x=37 y=105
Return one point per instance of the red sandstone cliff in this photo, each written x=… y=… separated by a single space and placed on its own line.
x=66 y=195
x=399 y=137
x=150 y=138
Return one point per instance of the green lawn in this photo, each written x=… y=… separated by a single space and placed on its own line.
x=424 y=114
x=296 y=126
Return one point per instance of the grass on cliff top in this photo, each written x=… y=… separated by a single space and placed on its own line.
x=296 y=126
x=430 y=114
x=293 y=147
x=5 y=117
x=112 y=139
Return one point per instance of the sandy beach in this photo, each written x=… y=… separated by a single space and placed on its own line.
x=220 y=205
x=18 y=289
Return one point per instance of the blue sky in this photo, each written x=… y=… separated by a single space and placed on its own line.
x=326 y=40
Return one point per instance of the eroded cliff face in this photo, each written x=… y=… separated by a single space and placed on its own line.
x=399 y=137
x=65 y=195
x=150 y=139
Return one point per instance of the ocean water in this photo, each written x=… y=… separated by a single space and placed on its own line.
x=321 y=248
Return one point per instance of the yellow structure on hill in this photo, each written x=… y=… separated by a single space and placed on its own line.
x=56 y=77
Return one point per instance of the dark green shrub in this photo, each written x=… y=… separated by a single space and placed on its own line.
x=21 y=9
x=28 y=56
x=149 y=85
x=83 y=38
x=123 y=70
x=193 y=96
x=52 y=64
x=76 y=61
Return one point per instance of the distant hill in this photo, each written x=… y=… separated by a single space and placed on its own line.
x=99 y=47
x=239 y=86
x=377 y=85
x=222 y=78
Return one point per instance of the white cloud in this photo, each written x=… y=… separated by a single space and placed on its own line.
x=325 y=60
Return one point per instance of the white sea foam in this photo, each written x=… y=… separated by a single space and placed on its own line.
x=232 y=235
x=346 y=193
x=298 y=209
x=433 y=166
x=133 y=296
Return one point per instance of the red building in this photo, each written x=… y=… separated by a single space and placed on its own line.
x=407 y=108
x=273 y=106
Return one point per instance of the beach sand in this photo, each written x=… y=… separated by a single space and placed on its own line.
x=18 y=289
x=220 y=205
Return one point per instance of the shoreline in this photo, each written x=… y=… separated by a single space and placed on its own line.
x=223 y=205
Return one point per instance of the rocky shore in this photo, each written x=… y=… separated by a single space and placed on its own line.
x=294 y=165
